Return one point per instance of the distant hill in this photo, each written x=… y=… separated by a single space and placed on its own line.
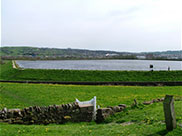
x=167 y=52
x=55 y=53
x=17 y=51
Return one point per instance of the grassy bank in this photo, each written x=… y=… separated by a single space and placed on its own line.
x=145 y=120
x=8 y=73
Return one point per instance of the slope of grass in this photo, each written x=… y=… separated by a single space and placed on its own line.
x=8 y=73
x=145 y=120
x=21 y=95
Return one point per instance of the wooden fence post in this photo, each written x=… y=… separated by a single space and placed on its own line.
x=169 y=113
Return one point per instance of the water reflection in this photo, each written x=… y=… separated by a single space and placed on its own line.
x=143 y=65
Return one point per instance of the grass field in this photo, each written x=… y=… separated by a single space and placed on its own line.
x=145 y=120
x=8 y=73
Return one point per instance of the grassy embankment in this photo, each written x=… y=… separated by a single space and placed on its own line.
x=145 y=120
x=8 y=73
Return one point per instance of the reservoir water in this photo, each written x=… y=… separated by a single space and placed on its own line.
x=138 y=65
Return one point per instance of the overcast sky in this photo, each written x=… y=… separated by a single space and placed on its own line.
x=119 y=25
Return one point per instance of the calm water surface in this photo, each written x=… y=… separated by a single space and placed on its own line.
x=101 y=64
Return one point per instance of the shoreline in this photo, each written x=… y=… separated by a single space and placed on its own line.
x=52 y=59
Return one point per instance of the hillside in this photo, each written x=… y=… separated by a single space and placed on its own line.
x=55 y=53
x=52 y=52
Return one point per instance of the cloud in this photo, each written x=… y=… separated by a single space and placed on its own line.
x=93 y=24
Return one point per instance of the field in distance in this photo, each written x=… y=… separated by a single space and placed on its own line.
x=145 y=120
x=8 y=73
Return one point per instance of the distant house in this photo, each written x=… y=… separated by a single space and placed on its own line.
x=172 y=57
x=111 y=55
x=141 y=57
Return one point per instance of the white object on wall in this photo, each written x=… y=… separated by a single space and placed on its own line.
x=91 y=102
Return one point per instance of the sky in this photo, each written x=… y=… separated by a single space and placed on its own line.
x=118 y=25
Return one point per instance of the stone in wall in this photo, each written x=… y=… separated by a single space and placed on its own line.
x=103 y=113
x=153 y=101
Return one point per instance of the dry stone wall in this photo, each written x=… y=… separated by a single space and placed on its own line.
x=44 y=115
x=59 y=114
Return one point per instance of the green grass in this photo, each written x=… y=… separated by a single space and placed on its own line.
x=145 y=120
x=8 y=73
